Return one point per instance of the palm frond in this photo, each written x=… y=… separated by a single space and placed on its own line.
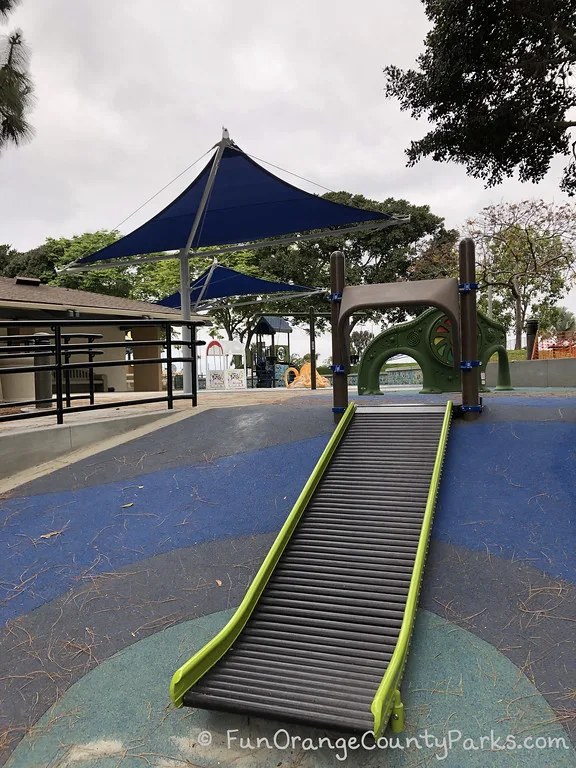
x=6 y=8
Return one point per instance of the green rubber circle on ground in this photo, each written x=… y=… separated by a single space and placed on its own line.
x=119 y=713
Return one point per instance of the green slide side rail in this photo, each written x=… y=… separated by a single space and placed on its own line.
x=387 y=696
x=189 y=674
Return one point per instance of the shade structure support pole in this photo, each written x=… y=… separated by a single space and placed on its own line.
x=184 y=256
x=469 y=331
x=312 y=350
x=207 y=282
x=339 y=377
x=185 y=309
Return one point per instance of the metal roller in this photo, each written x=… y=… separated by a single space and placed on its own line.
x=322 y=634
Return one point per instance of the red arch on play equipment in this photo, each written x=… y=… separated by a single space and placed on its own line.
x=214 y=344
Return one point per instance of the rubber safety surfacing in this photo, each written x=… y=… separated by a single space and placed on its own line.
x=323 y=633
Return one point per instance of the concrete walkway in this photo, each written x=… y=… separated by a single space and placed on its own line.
x=234 y=399
x=205 y=400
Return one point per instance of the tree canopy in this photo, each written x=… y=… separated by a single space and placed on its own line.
x=372 y=256
x=56 y=252
x=359 y=340
x=553 y=320
x=376 y=256
x=496 y=80
x=527 y=253
x=436 y=257
x=16 y=91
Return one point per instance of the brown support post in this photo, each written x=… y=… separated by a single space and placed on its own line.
x=531 y=336
x=339 y=380
x=468 y=329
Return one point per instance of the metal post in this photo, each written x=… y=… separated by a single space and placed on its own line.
x=206 y=283
x=273 y=359
x=468 y=329
x=185 y=309
x=169 y=384
x=339 y=380
x=531 y=334
x=67 y=358
x=194 y=367
x=312 y=350
x=91 y=340
x=58 y=363
x=42 y=379
x=185 y=264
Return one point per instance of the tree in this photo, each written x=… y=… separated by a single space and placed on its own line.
x=56 y=252
x=437 y=257
x=64 y=250
x=501 y=308
x=34 y=263
x=157 y=280
x=376 y=256
x=7 y=253
x=554 y=320
x=526 y=253
x=15 y=84
x=359 y=340
x=496 y=79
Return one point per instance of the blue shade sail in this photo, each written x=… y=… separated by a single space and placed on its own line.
x=225 y=282
x=247 y=203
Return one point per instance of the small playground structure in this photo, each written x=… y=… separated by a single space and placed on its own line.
x=559 y=345
x=303 y=378
x=221 y=371
x=269 y=361
x=428 y=340
x=458 y=320
x=323 y=633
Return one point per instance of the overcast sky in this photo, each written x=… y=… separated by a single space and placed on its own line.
x=129 y=93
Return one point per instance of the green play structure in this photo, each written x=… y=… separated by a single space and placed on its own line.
x=322 y=636
x=428 y=340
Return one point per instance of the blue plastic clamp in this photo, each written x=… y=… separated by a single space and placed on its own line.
x=467 y=287
x=337 y=369
x=338 y=410
x=335 y=297
x=470 y=408
x=467 y=365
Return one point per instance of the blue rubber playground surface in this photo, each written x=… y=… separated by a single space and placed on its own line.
x=114 y=570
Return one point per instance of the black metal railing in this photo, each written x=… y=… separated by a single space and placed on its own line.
x=53 y=352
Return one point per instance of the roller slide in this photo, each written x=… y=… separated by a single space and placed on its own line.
x=322 y=636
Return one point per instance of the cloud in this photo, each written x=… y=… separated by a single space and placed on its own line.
x=130 y=93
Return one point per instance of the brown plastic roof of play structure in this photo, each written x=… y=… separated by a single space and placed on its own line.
x=441 y=293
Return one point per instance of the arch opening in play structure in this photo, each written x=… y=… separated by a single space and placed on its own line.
x=452 y=342
x=221 y=369
x=428 y=340
x=400 y=370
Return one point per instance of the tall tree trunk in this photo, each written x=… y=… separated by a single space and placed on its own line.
x=227 y=323
x=249 y=333
x=518 y=324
